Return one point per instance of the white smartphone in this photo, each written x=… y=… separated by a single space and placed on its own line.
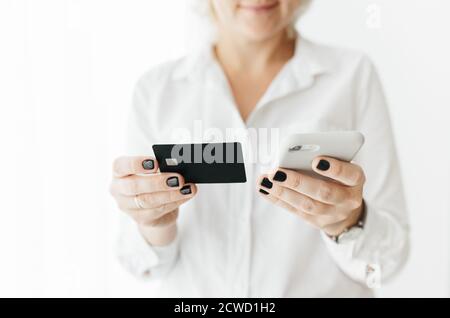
x=299 y=150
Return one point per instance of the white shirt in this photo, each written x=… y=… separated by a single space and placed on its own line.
x=233 y=243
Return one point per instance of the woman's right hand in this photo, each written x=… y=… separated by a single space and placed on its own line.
x=152 y=199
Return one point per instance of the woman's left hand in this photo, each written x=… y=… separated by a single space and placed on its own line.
x=332 y=206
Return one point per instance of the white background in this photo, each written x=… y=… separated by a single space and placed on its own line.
x=67 y=69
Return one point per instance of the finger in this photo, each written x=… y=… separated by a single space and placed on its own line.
x=328 y=192
x=126 y=166
x=133 y=185
x=158 y=199
x=313 y=220
x=267 y=191
x=274 y=200
x=155 y=199
x=344 y=172
x=302 y=202
x=271 y=198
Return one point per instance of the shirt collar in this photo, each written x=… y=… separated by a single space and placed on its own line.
x=299 y=73
x=308 y=61
x=301 y=70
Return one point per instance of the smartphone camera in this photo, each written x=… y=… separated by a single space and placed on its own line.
x=295 y=148
x=310 y=148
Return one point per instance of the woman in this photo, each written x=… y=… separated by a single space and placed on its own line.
x=294 y=235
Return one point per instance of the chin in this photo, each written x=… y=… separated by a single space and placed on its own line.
x=260 y=34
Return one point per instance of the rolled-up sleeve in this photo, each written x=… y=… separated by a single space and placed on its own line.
x=140 y=258
x=383 y=246
x=134 y=252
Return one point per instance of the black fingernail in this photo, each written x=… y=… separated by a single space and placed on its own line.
x=173 y=182
x=280 y=176
x=148 y=164
x=266 y=183
x=263 y=192
x=323 y=165
x=186 y=190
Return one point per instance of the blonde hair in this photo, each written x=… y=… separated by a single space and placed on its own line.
x=203 y=9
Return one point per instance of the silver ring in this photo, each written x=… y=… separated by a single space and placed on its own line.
x=138 y=202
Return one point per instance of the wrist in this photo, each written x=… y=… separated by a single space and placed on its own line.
x=159 y=236
x=356 y=217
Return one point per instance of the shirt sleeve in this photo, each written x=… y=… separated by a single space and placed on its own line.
x=134 y=252
x=382 y=248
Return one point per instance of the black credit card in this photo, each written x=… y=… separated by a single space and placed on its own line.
x=203 y=163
